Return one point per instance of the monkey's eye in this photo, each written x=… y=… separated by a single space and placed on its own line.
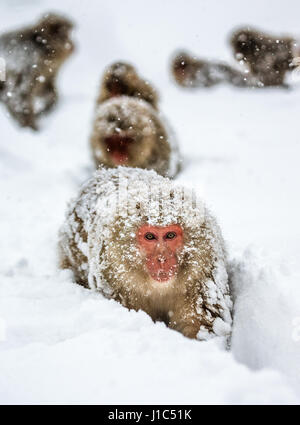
x=171 y=235
x=150 y=236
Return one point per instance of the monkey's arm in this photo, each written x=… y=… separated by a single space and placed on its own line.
x=188 y=327
x=44 y=96
x=185 y=320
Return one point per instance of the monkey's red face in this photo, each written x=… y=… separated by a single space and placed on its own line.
x=160 y=246
x=118 y=148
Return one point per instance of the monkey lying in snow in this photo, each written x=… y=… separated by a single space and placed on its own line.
x=191 y=72
x=33 y=56
x=120 y=79
x=267 y=57
x=130 y=132
x=139 y=239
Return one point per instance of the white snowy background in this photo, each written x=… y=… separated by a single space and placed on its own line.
x=64 y=344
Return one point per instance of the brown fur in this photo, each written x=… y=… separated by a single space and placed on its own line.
x=33 y=57
x=120 y=79
x=268 y=57
x=130 y=117
x=184 y=69
x=184 y=303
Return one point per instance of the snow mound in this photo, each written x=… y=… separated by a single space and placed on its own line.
x=266 y=314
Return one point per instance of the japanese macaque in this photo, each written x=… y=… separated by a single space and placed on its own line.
x=267 y=57
x=153 y=246
x=191 y=72
x=122 y=79
x=130 y=132
x=33 y=56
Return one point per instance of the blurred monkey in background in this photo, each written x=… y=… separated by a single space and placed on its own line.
x=33 y=56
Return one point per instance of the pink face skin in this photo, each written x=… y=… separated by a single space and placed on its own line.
x=160 y=245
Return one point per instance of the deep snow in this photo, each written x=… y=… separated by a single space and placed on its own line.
x=62 y=343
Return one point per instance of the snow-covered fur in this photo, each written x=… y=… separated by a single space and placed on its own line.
x=152 y=144
x=98 y=243
x=121 y=78
x=267 y=57
x=192 y=72
x=32 y=56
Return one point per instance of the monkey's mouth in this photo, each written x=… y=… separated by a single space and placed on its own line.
x=118 y=148
x=163 y=274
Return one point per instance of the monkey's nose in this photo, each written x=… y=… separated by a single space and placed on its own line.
x=161 y=259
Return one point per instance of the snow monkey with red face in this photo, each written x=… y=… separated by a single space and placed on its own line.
x=33 y=56
x=128 y=130
x=139 y=239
